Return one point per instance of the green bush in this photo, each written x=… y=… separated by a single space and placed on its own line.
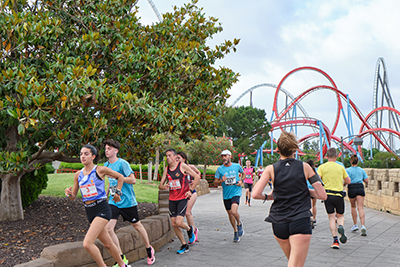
x=74 y=166
x=49 y=168
x=32 y=185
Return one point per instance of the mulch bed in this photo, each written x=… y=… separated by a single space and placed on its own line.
x=49 y=221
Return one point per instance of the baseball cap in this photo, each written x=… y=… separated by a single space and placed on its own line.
x=226 y=152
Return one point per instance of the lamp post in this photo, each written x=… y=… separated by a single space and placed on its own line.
x=357 y=141
x=387 y=162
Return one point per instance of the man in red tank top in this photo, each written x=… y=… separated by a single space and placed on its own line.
x=179 y=193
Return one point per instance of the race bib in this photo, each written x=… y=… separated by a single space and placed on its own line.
x=248 y=176
x=88 y=190
x=174 y=185
x=230 y=181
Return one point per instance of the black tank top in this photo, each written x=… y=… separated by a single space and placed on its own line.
x=291 y=194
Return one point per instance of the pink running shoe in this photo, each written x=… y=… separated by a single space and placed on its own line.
x=152 y=258
x=196 y=237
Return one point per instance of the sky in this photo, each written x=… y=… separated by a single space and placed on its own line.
x=343 y=38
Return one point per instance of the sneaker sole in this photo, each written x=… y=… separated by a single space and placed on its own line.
x=236 y=241
x=363 y=232
x=182 y=251
x=335 y=247
x=343 y=237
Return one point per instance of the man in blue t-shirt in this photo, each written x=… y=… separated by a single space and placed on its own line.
x=227 y=175
x=127 y=207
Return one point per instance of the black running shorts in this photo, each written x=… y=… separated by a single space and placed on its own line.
x=334 y=203
x=101 y=210
x=177 y=207
x=248 y=186
x=284 y=230
x=128 y=214
x=228 y=202
x=355 y=190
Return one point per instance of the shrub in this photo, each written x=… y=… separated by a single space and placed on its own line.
x=49 y=168
x=32 y=185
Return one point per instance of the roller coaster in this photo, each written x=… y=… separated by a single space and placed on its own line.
x=381 y=125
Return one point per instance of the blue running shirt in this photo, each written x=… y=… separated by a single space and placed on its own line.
x=229 y=187
x=128 y=198
x=356 y=174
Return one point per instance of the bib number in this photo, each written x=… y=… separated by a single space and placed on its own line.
x=248 y=176
x=89 y=190
x=230 y=181
x=175 y=185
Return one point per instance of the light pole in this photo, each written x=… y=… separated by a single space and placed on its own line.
x=387 y=162
x=357 y=141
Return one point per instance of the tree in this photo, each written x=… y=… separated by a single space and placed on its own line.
x=208 y=151
x=78 y=72
x=247 y=126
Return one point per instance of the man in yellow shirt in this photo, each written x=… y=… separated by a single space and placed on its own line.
x=334 y=176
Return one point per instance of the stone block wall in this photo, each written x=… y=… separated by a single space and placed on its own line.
x=382 y=192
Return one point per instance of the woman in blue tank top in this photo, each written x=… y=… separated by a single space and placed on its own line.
x=90 y=181
x=290 y=211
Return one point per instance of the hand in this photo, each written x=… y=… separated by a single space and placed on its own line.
x=239 y=183
x=117 y=198
x=68 y=191
x=188 y=194
x=223 y=178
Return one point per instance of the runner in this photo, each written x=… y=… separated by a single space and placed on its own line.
x=313 y=219
x=248 y=173
x=189 y=217
x=334 y=176
x=356 y=193
x=90 y=180
x=179 y=193
x=127 y=207
x=227 y=175
x=290 y=211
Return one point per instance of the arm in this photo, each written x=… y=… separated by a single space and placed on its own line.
x=103 y=171
x=262 y=183
x=130 y=179
x=318 y=191
x=218 y=181
x=163 y=179
x=194 y=172
x=347 y=180
x=71 y=192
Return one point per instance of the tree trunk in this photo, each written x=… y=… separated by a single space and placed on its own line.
x=157 y=164
x=11 y=203
x=204 y=171
x=149 y=169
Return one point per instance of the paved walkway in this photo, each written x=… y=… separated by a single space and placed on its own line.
x=258 y=247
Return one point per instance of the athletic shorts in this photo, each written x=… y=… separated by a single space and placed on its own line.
x=333 y=203
x=228 y=202
x=128 y=214
x=355 y=190
x=248 y=186
x=284 y=230
x=177 y=207
x=100 y=209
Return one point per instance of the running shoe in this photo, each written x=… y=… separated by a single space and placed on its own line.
x=236 y=237
x=335 y=245
x=240 y=229
x=150 y=256
x=184 y=248
x=191 y=235
x=354 y=228
x=196 y=234
x=124 y=259
x=249 y=204
x=363 y=231
x=245 y=202
x=343 y=237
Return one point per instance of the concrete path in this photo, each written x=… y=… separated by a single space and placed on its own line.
x=258 y=246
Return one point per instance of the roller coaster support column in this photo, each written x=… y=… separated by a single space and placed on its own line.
x=322 y=134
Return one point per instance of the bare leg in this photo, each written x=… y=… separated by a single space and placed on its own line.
x=178 y=224
x=143 y=233
x=340 y=219
x=299 y=245
x=332 y=224
x=234 y=216
x=108 y=243
x=314 y=208
x=353 y=210
x=285 y=246
x=360 y=207
x=189 y=216
x=110 y=228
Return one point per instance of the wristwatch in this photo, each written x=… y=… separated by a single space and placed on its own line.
x=191 y=191
x=118 y=192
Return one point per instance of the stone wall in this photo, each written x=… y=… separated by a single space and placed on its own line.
x=158 y=228
x=382 y=191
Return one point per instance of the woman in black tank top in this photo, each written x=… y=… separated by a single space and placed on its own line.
x=290 y=211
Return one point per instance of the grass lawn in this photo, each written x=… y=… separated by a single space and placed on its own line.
x=58 y=182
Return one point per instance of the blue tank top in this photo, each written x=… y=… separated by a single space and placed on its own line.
x=91 y=186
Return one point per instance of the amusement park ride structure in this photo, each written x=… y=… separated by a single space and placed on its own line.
x=381 y=124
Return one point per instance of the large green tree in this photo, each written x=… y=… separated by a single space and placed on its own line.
x=247 y=126
x=77 y=72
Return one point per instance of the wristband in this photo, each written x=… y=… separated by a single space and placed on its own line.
x=191 y=191
x=118 y=192
x=266 y=197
